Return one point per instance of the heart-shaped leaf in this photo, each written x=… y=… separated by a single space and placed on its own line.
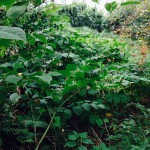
x=110 y=7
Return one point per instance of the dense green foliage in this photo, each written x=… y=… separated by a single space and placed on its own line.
x=72 y=88
x=80 y=15
x=134 y=24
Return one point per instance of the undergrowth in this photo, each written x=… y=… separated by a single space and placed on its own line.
x=72 y=88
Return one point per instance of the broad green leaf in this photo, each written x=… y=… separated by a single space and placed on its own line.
x=65 y=73
x=60 y=42
x=109 y=97
x=67 y=113
x=17 y=10
x=92 y=92
x=13 y=79
x=87 y=141
x=7 y=2
x=40 y=37
x=57 y=122
x=83 y=135
x=70 y=144
x=110 y=7
x=81 y=147
x=71 y=67
x=103 y=146
x=14 y=98
x=86 y=106
x=77 y=110
x=129 y=3
x=101 y=106
x=72 y=137
x=79 y=75
x=40 y=124
x=13 y=33
x=99 y=122
x=94 y=106
x=37 y=2
x=45 y=78
x=75 y=133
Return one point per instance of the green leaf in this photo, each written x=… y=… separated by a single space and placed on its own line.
x=17 y=10
x=13 y=33
x=72 y=137
x=14 y=98
x=101 y=106
x=67 y=113
x=103 y=147
x=5 y=43
x=81 y=147
x=54 y=73
x=13 y=79
x=77 y=110
x=96 y=1
x=71 y=67
x=45 y=78
x=79 y=75
x=60 y=42
x=99 y=122
x=94 y=106
x=40 y=124
x=109 y=97
x=37 y=2
x=70 y=144
x=110 y=7
x=87 y=141
x=83 y=135
x=129 y=3
x=40 y=37
x=75 y=133
x=57 y=122
x=86 y=106
x=7 y=2
x=65 y=73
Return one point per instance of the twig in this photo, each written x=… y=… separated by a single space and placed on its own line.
x=51 y=121
x=96 y=136
x=107 y=132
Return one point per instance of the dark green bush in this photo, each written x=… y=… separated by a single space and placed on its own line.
x=81 y=15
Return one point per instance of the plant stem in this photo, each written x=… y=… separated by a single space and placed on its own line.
x=51 y=121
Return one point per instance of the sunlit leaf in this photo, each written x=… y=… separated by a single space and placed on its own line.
x=129 y=3
x=17 y=10
x=13 y=33
x=110 y=7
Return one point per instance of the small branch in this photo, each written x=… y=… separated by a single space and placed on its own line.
x=96 y=136
x=51 y=121
x=107 y=132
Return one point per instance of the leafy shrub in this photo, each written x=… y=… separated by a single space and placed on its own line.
x=81 y=15
x=134 y=24
x=66 y=86
x=133 y=133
